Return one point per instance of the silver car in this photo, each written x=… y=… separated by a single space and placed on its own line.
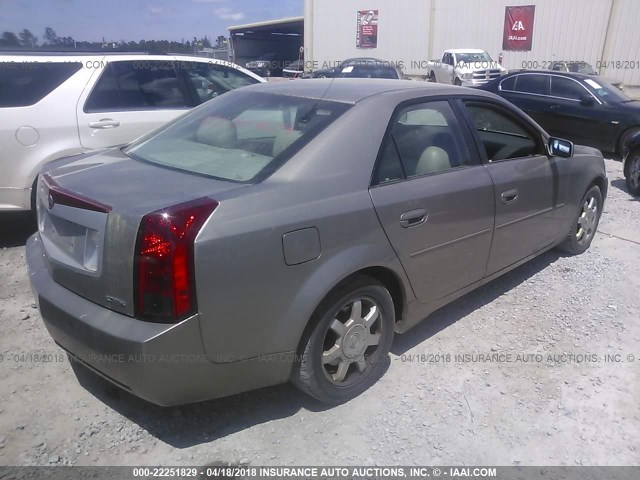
x=287 y=231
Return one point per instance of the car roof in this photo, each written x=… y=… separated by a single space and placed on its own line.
x=31 y=56
x=579 y=76
x=353 y=90
x=464 y=50
x=101 y=53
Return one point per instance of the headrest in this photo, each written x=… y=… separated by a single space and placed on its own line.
x=433 y=159
x=284 y=140
x=218 y=132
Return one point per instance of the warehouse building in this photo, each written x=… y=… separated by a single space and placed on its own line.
x=525 y=33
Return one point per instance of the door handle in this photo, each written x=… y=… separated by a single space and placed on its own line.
x=105 y=123
x=554 y=106
x=413 y=218
x=509 y=196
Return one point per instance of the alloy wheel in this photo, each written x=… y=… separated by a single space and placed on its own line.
x=587 y=220
x=634 y=172
x=352 y=337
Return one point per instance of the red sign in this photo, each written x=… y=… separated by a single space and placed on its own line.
x=518 y=28
x=367 y=34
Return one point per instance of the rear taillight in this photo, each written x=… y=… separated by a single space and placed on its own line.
x=164 y=263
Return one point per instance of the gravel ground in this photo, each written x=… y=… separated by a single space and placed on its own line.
x=556 y=402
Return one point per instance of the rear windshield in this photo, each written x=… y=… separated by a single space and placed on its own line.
x=239 y=137
x=26 y=83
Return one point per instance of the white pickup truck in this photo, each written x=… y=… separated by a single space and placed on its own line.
x=467 y=67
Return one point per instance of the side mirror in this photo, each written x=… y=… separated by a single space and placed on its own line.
x=560 y=148
x=586 y=100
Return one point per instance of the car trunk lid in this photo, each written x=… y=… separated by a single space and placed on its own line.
x=89 y=212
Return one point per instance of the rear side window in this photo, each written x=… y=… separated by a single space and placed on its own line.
x=137 y=86
x=424 y=139
x=537 y=84
x=508 y=84
x=26 y=83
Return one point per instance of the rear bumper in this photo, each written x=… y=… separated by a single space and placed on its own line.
x=164 y=364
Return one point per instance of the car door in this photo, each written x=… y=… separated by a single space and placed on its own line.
x=447 y=69
x=530 y=93
x=130 y=98
x=434 y=200
x=526 y=187
x=574 y=113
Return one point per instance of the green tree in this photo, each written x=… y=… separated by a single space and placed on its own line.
x=50 y=36
x=9 y=39
x=28 y=39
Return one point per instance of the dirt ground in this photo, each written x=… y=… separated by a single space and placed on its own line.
x=515 y=373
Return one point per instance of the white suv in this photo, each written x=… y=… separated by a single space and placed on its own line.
x=53 y=105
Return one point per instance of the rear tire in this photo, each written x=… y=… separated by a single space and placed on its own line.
x=345 y=350
x=585 y=225
x=457 y=82
x=632 y=172
x=432 y=77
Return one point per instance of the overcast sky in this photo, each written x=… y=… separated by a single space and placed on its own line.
x=139 y=19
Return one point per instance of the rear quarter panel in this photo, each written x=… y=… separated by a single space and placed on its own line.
x=252 y=303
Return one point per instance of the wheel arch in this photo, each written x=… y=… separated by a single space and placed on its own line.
x=386 y=276
x=634 y=140
x=602 y=184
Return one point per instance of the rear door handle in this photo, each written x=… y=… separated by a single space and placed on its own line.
x=413 y=218
x=509 y=196
x=105 y=123
x=554 y=106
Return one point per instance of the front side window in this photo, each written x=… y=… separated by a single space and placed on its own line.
x=211 y=80
x=537 y=84
x=502 y=137
x=238 y=136
x=567 y=88
x=424 y=139
x=132 y=85
x=26 y=83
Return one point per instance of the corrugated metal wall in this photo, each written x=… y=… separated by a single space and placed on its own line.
x=622 y=49
x=331 y=37
x=594 y=31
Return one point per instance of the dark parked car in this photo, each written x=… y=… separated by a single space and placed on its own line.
x=294 y=69
x=357 y=67
x=582 y=108
x=285 y=232
x=372 y=70
x=266 y=65
x=631 y=165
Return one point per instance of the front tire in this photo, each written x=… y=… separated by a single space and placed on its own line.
x=457 y=82
x=586 y=223
x=632 y=172
x=346 y=348
x=623 y=148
